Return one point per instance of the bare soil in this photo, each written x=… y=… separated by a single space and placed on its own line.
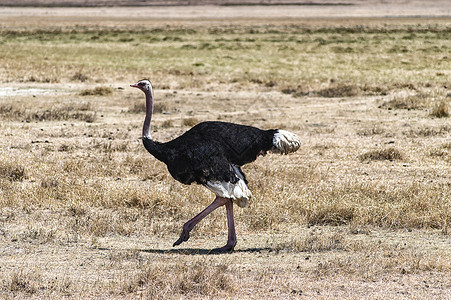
x=114 y=241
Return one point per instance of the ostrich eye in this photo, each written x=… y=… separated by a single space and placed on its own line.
x=141 y=84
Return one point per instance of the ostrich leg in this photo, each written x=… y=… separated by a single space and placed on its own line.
x=231 y=239
x=188 y=226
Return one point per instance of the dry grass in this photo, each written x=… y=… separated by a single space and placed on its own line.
x=28 y=113
x=339 y=90
x=362 y=210
x=384 y=154
x=190 y=122
x=441 y=109
x=97 y=91
x=200 y=278
x=417 y=101
x=12 y=172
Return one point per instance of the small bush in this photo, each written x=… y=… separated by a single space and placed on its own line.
x=167 y=124
x=66 y=112
x=98 y=91
x=76 y=111
x=79 y=77
x=440 y=110
x=137 y=108
x=340 y=90
x=370 y=131
x=160 y=108
x=418 y=101
x=12 y=172
x=140 y=107
x=23 y=282
x=384 y=154
x=190 y=121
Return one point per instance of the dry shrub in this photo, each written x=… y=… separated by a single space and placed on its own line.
x=32 y=283
x=110 y=146
x=334 y=213
x=371 y=131
x=200 y=278
x=190 y=122
x=340 y=90
x=43 y=78
x=440 y=110
x=75 y=111
x=12 y=172
x=7 y=110
x=167 y=124
x=417 y=101
x=440 y=153
x=140 y=107
x=62 y=113
x=384 y=154
x=160 y=107
x=297 y=91
x=79 y=76
x=37 y=235
x=97 y=91
x=23 y=282
x=137 y=108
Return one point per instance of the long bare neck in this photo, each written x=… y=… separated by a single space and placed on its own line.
x=156 y=149
x=149 y=111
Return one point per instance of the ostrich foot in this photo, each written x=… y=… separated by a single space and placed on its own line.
x=183 y=237
x=226 y=249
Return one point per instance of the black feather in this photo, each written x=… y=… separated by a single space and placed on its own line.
x=212 y=151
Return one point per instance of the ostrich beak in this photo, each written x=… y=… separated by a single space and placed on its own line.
x=134 y=85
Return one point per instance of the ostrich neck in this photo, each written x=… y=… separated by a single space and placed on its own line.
x=156 y=149
x=149 y=111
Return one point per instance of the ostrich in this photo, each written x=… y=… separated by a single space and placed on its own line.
x=211 y=153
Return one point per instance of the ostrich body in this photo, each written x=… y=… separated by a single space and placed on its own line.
x=211 y=154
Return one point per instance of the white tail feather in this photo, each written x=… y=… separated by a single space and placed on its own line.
x=238 y=192
x=285 y=142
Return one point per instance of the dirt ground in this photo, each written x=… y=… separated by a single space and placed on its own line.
x=69 y=251
x=357 y=9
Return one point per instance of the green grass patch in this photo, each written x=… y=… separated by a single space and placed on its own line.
x=287 y=55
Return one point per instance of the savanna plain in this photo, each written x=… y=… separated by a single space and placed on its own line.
x=361 y=211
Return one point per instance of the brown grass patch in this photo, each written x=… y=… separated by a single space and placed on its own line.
x=23 y=282
x=441 y=109
x=97 y=91
x=70 y=111
x=417 y=101
x=340 y=90
x=384 y=154
x=79 y=76
x=201 y=277
x=190 y=122
x=371 y=131
x=140 y=107
x=12 y=171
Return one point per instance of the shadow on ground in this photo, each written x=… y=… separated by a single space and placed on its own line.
x=196 y=251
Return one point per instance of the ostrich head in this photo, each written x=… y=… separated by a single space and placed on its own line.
x=144 y=85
